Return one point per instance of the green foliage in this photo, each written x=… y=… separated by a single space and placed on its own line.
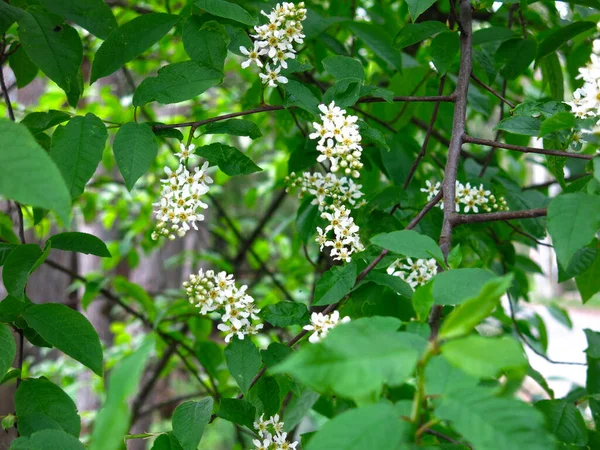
x=189 y=421
x=284 y=314
x=47 y=439
x=79 y=242
x=234 y=127
x=47 y=189
x=68 y=331
x=409 y=243
x=229 y=159
x=7 y=349
x=243 y=362
x=135 y=148
x=335 y=284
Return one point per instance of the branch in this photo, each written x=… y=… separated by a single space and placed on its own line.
x=11 y=113
x=551 y=182
x=263 y=265
x=492 y=91
x=247 y=243
x=461 y=219
x=421 y=154
x=456 y=141
x=520 y=148
x=267 y=108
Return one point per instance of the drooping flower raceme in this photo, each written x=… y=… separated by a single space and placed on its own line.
x=469 y=198
x=275 y=40
x=321 y=324
x=586 y=99
x=414 y=272
x=217 y=292
x=345 y=240
x=272 y=436
x=339 y=140
x=177 y=211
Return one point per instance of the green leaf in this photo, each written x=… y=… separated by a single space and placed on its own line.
x=177 y=82
x=19 y=264
x=52 y=45
x=5 y=250
x=37 y=122
x=68 y=331
x=389 y=281
x=275 y=353
x=516 y=55
x=299 y=95
x=205 y=42
x=74 y=241
x=442 y=378
x=166 y=441
x=93 y=15
x=556 y=38
x=210 y=356
x=243 y=362
x=468 y=315
x=485 y=357
x=265 y=396
x=47 y=440
x=560 y=121
x=355 y=359
x=112 y=421
x=422 y=301
x=370 y=427
x=129 y=41
x=8 y=349
x=379 y=41
x=21 y=158
x=573 y=221
x=565 y=421
x=189 y=421
x=335 y=284
x=409 y=243
x=593 y=340
x=38 y=401
x=77 y=150
x=229 y=159
x=284 y=314
x=552 y=75
x=453 y=287
x=455 y=257
x=237 y=411
x=341 y=67
x=413 y=33
x=135 y=148
x=444 y=48
x=234 y=127
x=12 y=307
x=344 y=93
x=231 y=11
x=528 y=126
x=588 y=282
x=418 y=7
x=8 y=16
x=492 y=34
x=493 y=423
x=24 y=69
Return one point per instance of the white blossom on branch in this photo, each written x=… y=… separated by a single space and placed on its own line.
x=271 y=434
x=468 y=198
x=321 y=324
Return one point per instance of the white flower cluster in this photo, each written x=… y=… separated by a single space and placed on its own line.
x=415 y=273
x=217 y=292
x=275 y=39
x=180 y=198
x=470 y=198
x=321 y=324
x=586 y=99
x=345 y=234
x=272 y=436
x=339 y=140
x=339 y=191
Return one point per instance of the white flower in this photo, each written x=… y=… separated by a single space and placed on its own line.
x=321 y=324
x=470 y=197
x=217 y=292
x=272 y=77
x=253 y=56
x=272 y=434
x=414 y=272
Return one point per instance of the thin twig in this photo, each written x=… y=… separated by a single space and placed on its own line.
x=519 y=148
x=421 y=154
x=492 y=91
x=267 y=108
x=527 y=235
x=11 y=113
x=460 y=219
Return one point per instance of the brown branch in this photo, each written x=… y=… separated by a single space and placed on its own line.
x=492 y=91
x=421 y=154
x=461 y=219
x=267 y=108
x=456 y=141
x=527 y=235
x=238 y=235
x=520 y=148
x=551 y=182
x=11 y=113
x=247 y=243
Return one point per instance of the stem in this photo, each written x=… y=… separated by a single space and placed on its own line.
x=492 y=91
x=415 y=414
x=519 y=148
x=460 y=219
